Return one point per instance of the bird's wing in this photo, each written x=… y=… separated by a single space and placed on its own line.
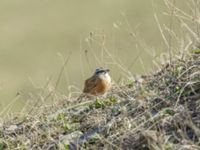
x=90 y=84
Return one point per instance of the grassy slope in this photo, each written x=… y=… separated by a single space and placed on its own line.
x=159 y=111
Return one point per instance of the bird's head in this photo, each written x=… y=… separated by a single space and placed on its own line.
x=102 y=73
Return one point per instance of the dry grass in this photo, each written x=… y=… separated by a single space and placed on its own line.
x=156 y=111
x=159 y=111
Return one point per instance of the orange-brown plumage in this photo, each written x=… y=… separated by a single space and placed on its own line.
x=98 y=84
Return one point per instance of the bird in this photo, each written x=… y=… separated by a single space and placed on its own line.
x=99 y=83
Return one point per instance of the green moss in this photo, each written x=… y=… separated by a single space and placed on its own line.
x=113 y=100
x=102 y=103
x=178 y=89
x=129 y=83
x=64 y=119
x=67 y=147
x=196 y=51
x=169 y=111
x=99 y=104
x=2 y=146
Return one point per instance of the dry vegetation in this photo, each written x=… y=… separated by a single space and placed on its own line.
x=159 y=111
x=156 y=111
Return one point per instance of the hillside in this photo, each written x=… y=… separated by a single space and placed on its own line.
x=157 y=111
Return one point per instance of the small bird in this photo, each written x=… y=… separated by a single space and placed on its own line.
x=99 y=83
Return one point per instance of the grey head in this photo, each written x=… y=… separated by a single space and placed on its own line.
x=100 y=71
x=103 y=74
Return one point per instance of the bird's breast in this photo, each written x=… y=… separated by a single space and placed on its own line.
x=102 y=86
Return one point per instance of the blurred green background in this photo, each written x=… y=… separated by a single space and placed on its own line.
x=35 y=37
